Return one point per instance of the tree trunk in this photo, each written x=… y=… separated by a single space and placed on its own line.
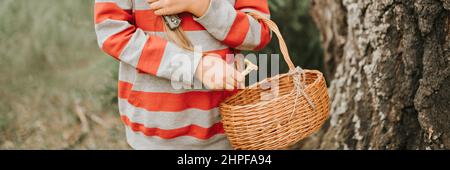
x=389 y=61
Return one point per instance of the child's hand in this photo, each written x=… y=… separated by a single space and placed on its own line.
x=171 y=7
x=216 y=74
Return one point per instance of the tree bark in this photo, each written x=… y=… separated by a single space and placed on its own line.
x=389 y=61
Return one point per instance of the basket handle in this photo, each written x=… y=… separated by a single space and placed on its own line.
x=273 y=26
x=249 y=67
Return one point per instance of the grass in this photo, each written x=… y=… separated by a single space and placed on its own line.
x=51 y=64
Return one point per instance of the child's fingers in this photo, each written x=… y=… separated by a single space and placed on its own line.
x=230 y=82
x=221 y=82
x=235 y=76
x=239 y=79
x=209 y=84
x=164 y=11
x=160 y=12
x=156 y=5
x=238 y=76
x=218 y=85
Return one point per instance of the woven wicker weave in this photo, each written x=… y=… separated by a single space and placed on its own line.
x=253 y=120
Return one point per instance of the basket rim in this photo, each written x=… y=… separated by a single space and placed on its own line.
x=316 y=81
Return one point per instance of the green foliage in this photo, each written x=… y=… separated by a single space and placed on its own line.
x=299 y=31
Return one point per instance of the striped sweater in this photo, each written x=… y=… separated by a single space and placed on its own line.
x=156 y=115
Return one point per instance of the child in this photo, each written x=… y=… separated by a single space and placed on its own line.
x=157 y=115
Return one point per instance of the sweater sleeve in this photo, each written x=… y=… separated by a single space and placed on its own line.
x=233 y=27
x=121 y=39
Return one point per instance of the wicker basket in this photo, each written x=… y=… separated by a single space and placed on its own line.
x=267 y=117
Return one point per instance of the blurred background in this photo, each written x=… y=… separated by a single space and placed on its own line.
x=53 y=76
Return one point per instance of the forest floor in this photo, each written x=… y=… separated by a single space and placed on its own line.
x=52 y=75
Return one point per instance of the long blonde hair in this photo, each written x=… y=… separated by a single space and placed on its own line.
x=178 y=36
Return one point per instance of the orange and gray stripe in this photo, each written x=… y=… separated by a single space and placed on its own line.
x=150 y=54
x=169 y=120
x=234 y=27
x=140 y=141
